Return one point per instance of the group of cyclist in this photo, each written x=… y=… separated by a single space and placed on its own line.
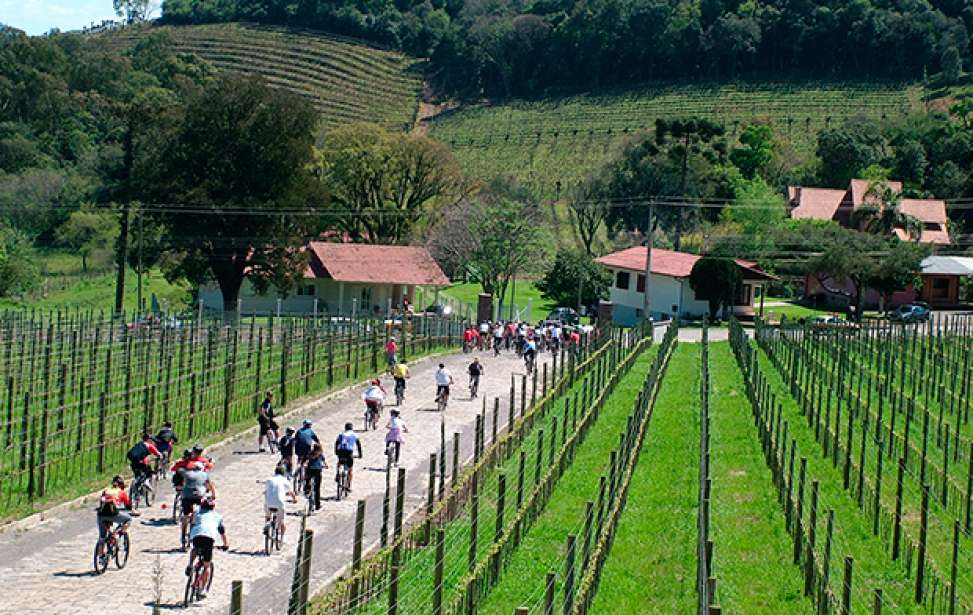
x=524 y=339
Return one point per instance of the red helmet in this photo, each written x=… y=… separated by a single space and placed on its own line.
x=376 y=381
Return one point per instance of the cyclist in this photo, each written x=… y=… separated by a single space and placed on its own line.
x=469 y=337
x=316 y=464
x=180 y=468
x=391 y=348
x=484 y=337
x=475 y=370
x=114 y=507
x=497 y=338
x=400 y=374
x=139 y=454
x=277 y=488
x=207 y=525
x=443 y=380
x=394 y=438
x=304 y=441
x=286 y=447
x=530 y=351
x=196 y=487
x=344 y=448
x=265 y=418
x=374 y=397
x=198 y=456
x=165 y=439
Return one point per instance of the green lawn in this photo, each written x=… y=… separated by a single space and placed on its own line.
x=652 y=564
x=520 y=293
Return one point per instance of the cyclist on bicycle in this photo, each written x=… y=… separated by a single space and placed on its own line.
x=443 y=380
x=166 y=438
x=265 y=418
x=530 y=351
x=207 y=526
x=391 y=348
x=475 y=370
x=114 y=507
x=374 y=397
x=277 y=488
x=394 y=438
x=401 y=374
x=196 y=487
x=139 y=454
x=286 y=447
x=344 y=448
x=180 y=468
x=304 y=441
x=497 y=338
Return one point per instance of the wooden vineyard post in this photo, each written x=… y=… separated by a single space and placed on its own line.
x=386 y=502
x=523 y=394
x=826 y=567
x=811 y=539
x=430 y=498
x=969 y=490
x=954 y=569
x=437 y=592
x=923 y=533
x=569 y=575
x=498 y=527
x=878 y=485
x=102 y=409
x=897 y=528
x=589 y=509
x=798 y=517
x=357 y=551
x=474 y=519
x=521 y=466
x=549 y=585
x=846 y=586
x=192 y=404
x=236 y=598
x=877 y=603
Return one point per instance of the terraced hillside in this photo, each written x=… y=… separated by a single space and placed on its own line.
x=346 y=80
x=543 y=142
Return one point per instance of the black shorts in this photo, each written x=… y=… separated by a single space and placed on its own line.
x=442 y=388
x=346 y=458
x=189 y=503
x=266 y=425
x=204 y=547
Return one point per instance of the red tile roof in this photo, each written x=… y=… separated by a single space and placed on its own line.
x=815 y=203
x=666 y=262
x=375 y=264
x=859 y=187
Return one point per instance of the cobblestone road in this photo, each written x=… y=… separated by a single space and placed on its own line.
x=48 y=569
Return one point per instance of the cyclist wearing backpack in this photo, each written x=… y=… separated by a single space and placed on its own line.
x=344 y=448
x=166 y=438
x=114 y=507
x=139 y=454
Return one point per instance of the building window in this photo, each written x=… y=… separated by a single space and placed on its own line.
x=621 y=280
x=305 y=291
x=640 y=283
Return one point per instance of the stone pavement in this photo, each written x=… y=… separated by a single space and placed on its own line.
x=48 y=568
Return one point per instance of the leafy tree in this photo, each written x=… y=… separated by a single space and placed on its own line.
x=846 y=150
x=885 y=215
x=382 y=184
x=132 y=10
x=575 y=279
x=898 y=270
x=492 y=236
x=88 y=233
x=234 y=176
x=746 y=227
x=952 y=64
x=19 y=270
x=757 y=151
x=717 y=281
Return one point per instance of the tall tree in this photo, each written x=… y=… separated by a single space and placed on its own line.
x=88 y=233
x=575 y=279
x=133 y=10
x=383 y=184
x=238 y=195
x=883 y=214
x=716 y=280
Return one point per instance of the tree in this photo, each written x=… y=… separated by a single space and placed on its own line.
x=848 y=264
x=589 y=210
x=19 y=271
x=846 y=150
x=235 y=180
x=746 y=226
x=897 y=270
x=382 y=184
x=952 y=64
x=492 y=236
x=132 y=10
x=757 y=150
x=717 y=281
x=88 y=232
x=575 y=271
x=885 y=215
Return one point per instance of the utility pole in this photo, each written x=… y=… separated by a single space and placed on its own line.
x=140 y=265
x=122 y=245
x=647 y=303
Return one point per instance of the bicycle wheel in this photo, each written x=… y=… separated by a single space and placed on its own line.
x=190 y=596
x=278 y=536
x=176 y=505
x=269 y=536
x=148 y=495
x=134 y=493
x=121 y=550
x=101 y=557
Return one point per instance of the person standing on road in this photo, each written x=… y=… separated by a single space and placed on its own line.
x=316 y=464
x=443 y=380
x=394 y=438
x=265 y=418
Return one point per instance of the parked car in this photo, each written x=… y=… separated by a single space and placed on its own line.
x=564 y=315
x=909 y=313
x=832 y=323
x=438 y=310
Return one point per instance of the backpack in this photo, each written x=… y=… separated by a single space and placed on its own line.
x=107 y=507
x=138 y=452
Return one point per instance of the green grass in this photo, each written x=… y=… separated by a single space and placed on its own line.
x=752 y=549
x=346 y=80
x=524 y=292
x=564 y=139
x=652 y=564
x=543 y=548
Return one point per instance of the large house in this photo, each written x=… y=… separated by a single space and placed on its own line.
x=838 y=205
x=346 y=278
x=670 y=292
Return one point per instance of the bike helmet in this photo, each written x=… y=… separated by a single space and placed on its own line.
x=376 y=382
x=289 y=431
x=395 y=413
x=307 y=422
x=186 y=454
x=349 y=426
x=118 y=481
x=198 y=448
x=199 y=466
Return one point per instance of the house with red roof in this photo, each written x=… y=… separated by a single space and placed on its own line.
x=346 y=278
x=838 y=205
x=669 y=291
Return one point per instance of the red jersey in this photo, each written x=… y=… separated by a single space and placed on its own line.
x=575 y=338
x=391 y=347
x=468 y=335
x=186 y=464
x=117 y=496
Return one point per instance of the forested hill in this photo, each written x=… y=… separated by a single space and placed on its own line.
x=507 y=48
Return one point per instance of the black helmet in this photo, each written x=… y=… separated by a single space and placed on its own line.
x=118 y=481
x=186 y=454
x=349 y=426
x=289 y=431
x=198 y=448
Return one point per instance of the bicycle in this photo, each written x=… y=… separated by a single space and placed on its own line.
x=115 y=545
x=341 y=478
x=194 y=586
x=141 y=489
x=160 y=469
x=176 y=505
x=274 y=532
x=441 y=400
x=392 y=451
x=399 y=392
x=372 y=412
x=474 y=387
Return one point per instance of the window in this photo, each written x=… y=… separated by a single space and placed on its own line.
x=640 y=284
x=621 y=280
x=305 y=291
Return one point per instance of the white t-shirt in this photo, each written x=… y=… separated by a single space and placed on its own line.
x=206 y=524
x=498 y=330
x=373 y=393
x=484 y=328
x=443 y=377
x=276 y=492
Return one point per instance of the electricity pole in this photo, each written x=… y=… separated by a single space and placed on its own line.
x=122 y=245
x=647 y=302
x=140 y=264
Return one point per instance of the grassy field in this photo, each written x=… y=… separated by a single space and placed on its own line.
x=651 y=567
x=562 y=139
x=348 y=81
x=524 y=292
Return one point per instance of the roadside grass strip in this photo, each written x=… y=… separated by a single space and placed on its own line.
x=543 y=548
x=752 y=548
x=651 y=565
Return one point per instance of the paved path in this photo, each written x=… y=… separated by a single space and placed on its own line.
x=47 y=569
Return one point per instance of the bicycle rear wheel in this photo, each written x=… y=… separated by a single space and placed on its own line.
x=176 y=506
x=101 y=557
x=190 y=595
x=269 y=536
x=122 y=546
x=278 y=536
x=148 y=495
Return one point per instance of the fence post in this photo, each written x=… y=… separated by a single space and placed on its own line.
x=236 y=598
x=569 y=575
x=846 y=587
x=877 y=606
x=357 y=551
x=897 y=528
x=306 y=569
x=430 y=498
x=923 y=533
x=549 y=593
x=954 y=570
x=437 y=592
